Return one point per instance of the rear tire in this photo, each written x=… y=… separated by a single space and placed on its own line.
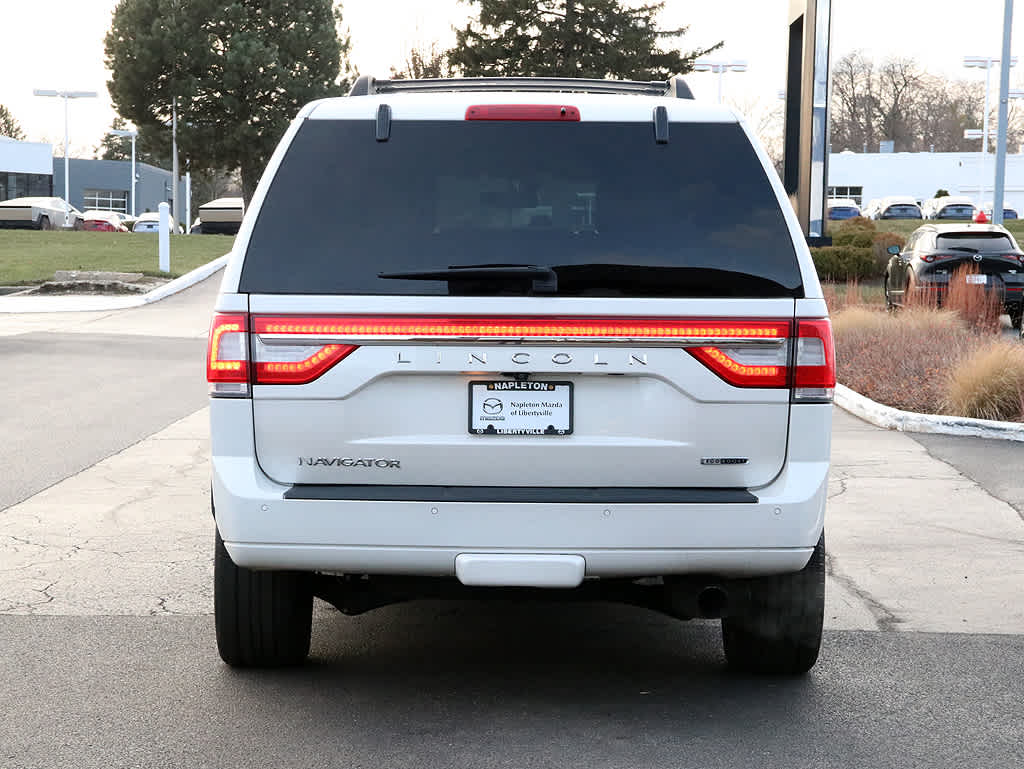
x=1015 y=320
x=780 y=633
x=263 y=618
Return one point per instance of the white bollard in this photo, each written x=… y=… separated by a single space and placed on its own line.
x=165 y=237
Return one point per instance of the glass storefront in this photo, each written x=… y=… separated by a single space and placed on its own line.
x=14 y=185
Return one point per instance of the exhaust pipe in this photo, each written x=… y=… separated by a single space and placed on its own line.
x=711 y=602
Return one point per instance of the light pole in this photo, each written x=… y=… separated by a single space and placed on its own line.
x=986 y=63
x=720 y=67
x=134 y=134
x=65 y=95
x=980 y=133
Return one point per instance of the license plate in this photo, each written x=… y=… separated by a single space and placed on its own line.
x=520 y=408
x=977 y=279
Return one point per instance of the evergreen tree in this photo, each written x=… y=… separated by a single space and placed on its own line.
x=239 y=69
x=569 y=38
x=9 y=125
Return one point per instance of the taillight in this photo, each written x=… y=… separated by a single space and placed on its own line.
x=285 y=350
x=814 y=376
x=939 y=257
x=227 y=356
x=744 y=366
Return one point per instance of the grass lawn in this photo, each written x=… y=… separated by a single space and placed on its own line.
x=31 y=256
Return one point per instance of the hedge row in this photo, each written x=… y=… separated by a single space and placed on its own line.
x=859 y=252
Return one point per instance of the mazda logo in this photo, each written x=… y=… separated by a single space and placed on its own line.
x=977 y=257
x=492 y=406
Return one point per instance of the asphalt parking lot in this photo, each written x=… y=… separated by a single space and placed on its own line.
x=109 y=657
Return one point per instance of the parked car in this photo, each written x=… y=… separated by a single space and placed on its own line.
x=222 y=216
x=935 y=251
x=1008 y=213
x=842 y=208
x=150 y=222
x=896 y=207
x=104 y=221
x=38 y=214
x=446 y=371
x=949 y=207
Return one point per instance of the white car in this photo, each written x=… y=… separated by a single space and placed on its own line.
x=462 y=346
x=39 y=214
x=150 y=222
x=842 y=208
x=949 y=207
x=895 y=207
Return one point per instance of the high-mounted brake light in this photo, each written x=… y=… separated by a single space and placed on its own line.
x=556 y=112
x=227 y=356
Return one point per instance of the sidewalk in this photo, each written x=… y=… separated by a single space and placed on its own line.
x=914 y=545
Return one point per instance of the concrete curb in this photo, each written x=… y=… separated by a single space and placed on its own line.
x=23 y=304
x=908 y=421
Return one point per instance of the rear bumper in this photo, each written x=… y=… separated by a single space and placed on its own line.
x=774 y=534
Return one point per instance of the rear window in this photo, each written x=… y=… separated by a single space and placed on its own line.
x=842 y=212
x=957 y=212
x=610 y=210
x=902 y=212
x=975 y=241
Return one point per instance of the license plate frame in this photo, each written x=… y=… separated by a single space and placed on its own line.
x=503 y=424
x=976 y=280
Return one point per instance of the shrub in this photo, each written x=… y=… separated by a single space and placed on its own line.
x=979 y=308
x=989 y=384
x=855 y=238
x=856 y=224
x=901 y=360
x=842 y=263
x=880 y=243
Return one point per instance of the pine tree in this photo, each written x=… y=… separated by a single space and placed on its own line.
x=9 y=125
x=239 y=70
x=569 y=38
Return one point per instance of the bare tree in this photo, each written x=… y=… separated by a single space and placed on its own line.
x=899 y=87
x=854 y=103
x=421 y=62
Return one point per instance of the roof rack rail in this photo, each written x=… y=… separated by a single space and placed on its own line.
x=367 y=85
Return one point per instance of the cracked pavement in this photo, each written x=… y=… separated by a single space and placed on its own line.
x=913 y=543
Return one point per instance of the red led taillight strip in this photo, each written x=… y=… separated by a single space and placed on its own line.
x=739 y=374
x=361 y=327
x=303 y=371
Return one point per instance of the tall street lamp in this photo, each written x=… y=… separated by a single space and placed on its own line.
x=134 y=134
x=986 y=63
x=720 y=67
x=65 y=95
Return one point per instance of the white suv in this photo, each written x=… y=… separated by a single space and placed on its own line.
x=525 y=335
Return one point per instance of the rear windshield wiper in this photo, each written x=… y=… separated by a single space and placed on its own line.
x=968 y=249
x=544 y=279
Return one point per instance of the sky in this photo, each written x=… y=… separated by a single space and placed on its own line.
x=63 y=47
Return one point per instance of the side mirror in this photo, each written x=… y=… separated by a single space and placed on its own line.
x=893 y=250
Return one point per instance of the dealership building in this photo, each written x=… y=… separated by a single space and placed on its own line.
x=865 y=176
x=28 y=169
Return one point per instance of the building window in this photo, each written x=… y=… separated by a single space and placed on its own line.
x=25 y=185
x=106 y=200
x=853 y=193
